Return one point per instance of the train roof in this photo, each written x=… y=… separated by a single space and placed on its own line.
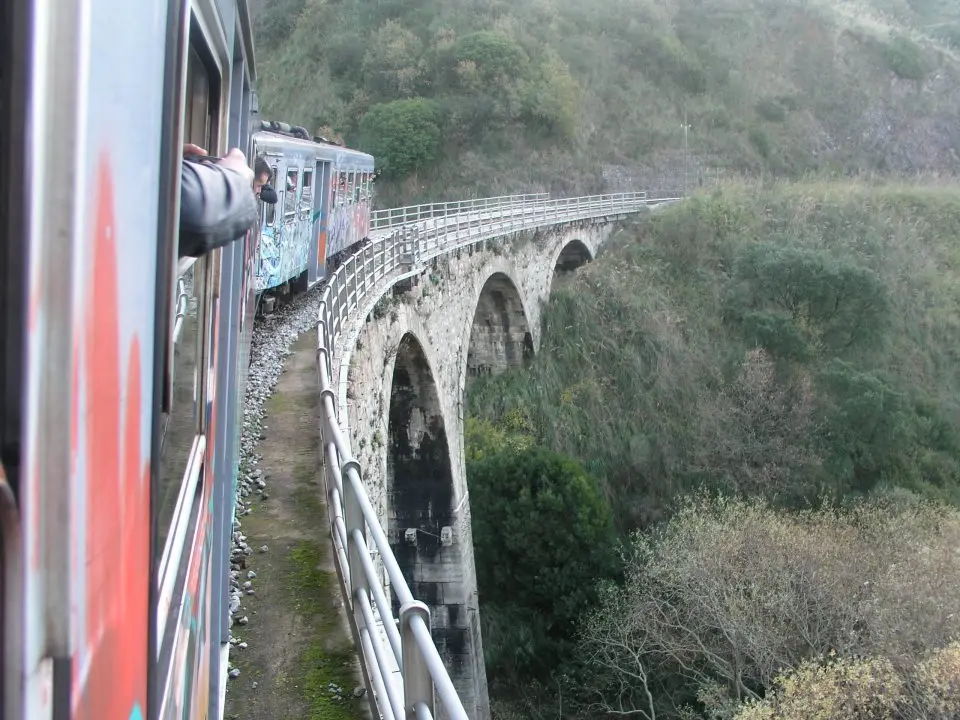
x=274 y=143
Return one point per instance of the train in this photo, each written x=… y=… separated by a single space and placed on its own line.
x=123 y=366
x=306 y=232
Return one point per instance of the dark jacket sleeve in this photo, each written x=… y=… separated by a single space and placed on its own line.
x=217 y=206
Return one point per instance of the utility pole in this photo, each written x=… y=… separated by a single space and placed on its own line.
x=686 y=153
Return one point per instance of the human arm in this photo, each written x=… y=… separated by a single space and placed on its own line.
x=217 y=204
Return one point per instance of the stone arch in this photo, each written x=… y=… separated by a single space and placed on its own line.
x=420 y=496
x=419 y=470
x=500 y=335
x=573 y=254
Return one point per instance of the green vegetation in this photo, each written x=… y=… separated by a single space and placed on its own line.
x=323 y=668
x=403 y=134
x=797 y=342
x=461 y=98
x=905 y=58
x=536 y=515
x=795 y=345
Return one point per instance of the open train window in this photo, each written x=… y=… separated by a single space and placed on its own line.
x=306 y=193
x=198 y=123
x=270 y=210
x=292 y=191
x=342 y=189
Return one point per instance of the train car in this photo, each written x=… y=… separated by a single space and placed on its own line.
x=323 y=207
x=121 y=367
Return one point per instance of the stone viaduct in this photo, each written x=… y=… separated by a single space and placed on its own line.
x=475 y=310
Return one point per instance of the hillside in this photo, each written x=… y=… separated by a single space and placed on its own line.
x=777 y=353
x=474 y=97
x=797 y=342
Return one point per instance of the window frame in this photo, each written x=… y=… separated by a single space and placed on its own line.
x=201 y=37
x=291 y=201
x=306 y=181
x=270 y=209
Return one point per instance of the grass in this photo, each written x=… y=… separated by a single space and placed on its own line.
x=312 y=676
x=326 y=675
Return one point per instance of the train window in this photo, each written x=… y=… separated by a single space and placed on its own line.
x=270 y=211
x=182 y=423
x=198 y=122
x=306 y=193
x=292 y=190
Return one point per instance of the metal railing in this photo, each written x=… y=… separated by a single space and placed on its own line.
x=396 y=217
x=399 y=658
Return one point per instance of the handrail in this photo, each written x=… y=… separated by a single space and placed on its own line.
x=397 y=217
x=403 y=664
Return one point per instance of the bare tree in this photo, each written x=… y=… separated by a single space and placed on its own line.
x=735 y=592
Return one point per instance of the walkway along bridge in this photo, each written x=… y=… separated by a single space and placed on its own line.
x=404 y=670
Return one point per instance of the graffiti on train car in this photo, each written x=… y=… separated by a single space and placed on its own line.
x=349 y=223
x=284 y=250
x=188 y=691
x=112 y=475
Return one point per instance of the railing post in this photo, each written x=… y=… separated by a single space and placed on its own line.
x=417 y=683
x=353 y=520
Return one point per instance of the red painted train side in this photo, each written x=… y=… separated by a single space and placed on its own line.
x=121 y=369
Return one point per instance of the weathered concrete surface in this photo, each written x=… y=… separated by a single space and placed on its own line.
x=475 y=310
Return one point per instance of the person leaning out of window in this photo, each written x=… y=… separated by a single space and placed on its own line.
x=216 y=202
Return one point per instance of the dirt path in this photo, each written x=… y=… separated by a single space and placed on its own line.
x=296 y=657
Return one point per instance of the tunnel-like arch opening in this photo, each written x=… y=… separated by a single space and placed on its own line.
x=573 y=255
x=420 y=497
x=500 y=338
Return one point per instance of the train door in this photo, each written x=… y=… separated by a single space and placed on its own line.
x=321 y=214
x=304 y=225
x=183 y=484
x=14 y=21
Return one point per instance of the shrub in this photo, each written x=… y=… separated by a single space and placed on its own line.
x=735 y=593
x=492 y=54
x=771 y=111
x=870 y=687
x=835 y=304
x=761 y=141
x=905 y=58
x=542 y=536
x=403 y=135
